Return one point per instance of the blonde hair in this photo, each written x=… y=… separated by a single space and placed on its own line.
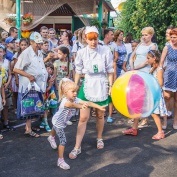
x=65 y=85
x=80 y=34
x=149 y=30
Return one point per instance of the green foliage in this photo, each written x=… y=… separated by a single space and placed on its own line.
x=95 y=22
x=137 y=14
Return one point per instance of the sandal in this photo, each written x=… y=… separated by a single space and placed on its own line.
x=32 y=134
x=114 y=111
x=100 y=144
x=35 y=129
x=93 y=114
x=74 y=153
x=158 y=136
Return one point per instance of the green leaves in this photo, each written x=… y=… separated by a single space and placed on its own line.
x=137 y=14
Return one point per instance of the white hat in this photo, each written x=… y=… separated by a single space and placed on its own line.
x=36 y=37
x=90 y=29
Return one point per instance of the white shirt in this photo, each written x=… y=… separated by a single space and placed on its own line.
x=32 y=64
x=111 y=45
x=83 y=60
x=77 y=46
x=63 y=114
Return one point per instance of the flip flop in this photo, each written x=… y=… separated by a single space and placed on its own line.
x=32 y=134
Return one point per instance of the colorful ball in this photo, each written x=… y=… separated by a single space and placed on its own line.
x=136 y=94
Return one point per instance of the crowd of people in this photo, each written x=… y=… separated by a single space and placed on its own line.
x=74 y=74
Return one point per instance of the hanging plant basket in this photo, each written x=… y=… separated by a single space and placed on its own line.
x=26 y=22
x=27 y=19
x=10 y=20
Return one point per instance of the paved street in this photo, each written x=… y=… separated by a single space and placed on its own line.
x=123 y=156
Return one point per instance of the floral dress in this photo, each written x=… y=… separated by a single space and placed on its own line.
x=170 y=74
x=122 y=52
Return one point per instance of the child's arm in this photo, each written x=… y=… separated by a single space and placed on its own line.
x=160 y=77
x=93 y=105
x=3 y=95
x=131 y=60
x=69 y=104
x=6 y=85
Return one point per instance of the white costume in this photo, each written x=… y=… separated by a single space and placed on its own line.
x=95 y=64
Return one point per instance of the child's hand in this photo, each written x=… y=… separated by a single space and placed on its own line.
x=102 y=108
x=85 y=105
x=3 y=102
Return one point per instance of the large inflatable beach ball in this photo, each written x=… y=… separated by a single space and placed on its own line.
x=136 y=94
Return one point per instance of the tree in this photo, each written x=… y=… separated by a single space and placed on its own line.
x=137 y=14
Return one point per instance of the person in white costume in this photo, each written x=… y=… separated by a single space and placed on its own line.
x=95 y=61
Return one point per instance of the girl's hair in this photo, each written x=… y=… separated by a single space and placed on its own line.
x=69 y=35
x=65 y=50
x=22 y=40
x=155 y=54
x=91 y=36
x=128 y=38
x=65 y=85
x=173 y=31
x=149 y=30
x=80 y=34
x=116 y=34
x=50 y=65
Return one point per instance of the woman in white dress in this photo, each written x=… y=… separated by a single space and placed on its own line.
x=95 y=61
x=138 y=61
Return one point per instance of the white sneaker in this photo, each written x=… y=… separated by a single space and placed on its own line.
x=62 y=164
x=69 y=122
x=52 y=142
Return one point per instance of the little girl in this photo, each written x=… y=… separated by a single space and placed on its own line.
x=153 y=57
x=62 y=67
x=67 y=108
x=50 y=99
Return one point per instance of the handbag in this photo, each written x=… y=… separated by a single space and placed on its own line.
x=32 y=101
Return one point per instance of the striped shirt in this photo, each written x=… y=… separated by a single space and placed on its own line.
x=63 y=114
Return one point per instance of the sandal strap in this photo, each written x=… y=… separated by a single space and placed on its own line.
x=32 y=133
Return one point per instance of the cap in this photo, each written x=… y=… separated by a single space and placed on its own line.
x=90 y=29
x=9 y=40
x=36 y=37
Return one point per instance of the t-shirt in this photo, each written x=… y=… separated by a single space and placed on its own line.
x=77 y=46
x=62 y=69
x=111 y=45
x=63 y=114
